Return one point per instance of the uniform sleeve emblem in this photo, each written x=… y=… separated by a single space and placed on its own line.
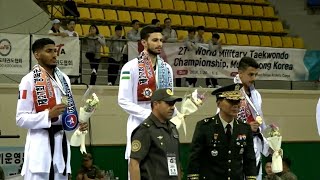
x=135 y=145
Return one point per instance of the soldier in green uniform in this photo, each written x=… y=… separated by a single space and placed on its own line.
x=155 y=143
x=222 y=147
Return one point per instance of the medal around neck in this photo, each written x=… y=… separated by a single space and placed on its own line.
x=259 y=119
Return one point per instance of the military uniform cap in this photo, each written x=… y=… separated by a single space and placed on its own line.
x=164 y=95
x=231 y=92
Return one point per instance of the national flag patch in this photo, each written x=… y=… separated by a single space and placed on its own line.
x=125 y=75
x=22 y=94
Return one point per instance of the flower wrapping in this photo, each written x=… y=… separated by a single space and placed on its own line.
x=274 y=141
x=78 y=137
x=190 y=104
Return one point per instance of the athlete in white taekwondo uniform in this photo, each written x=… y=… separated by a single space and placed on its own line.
x=38 y=159
x=140 y=77
x=248 y=69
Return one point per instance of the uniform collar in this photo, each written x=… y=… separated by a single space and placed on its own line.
x=224 y=123
x=157 y=122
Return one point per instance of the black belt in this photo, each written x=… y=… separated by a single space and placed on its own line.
x=52 y=131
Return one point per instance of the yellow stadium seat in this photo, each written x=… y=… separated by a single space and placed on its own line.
x=277 y=26
x=222 y=38
x=236 y=9
x=175 y=19
x=265 y=41
x=249 y=1
x=155 y=4
x=298 y=42
x=268 y=11
x=245 y=25
x=84 y=13
x=254 y=40
x=130 y=3
x=198 y=21
x=225 y=9
x=231 y=39
x=222 y=23
x=257 y=11
x=266 y=26
x=127 y=29
x=247 y=10
x=234 y=24
x=79 y=1
x=207 y=36
x=182 y=34
x=105 y=2
x=276 y=41
x=161 y=17
x=143 y=3
x=202 y=7
x=85 y=29
x=56 y=11
x=167 y=4
x=104 y=30
x=96 y=14
x=191 y=6
x=118 y=2
x=243 y=39
x=138 y=16
x=111 y=15
x=211 y=22
x=287 y=42
x=148 y=16
x=179 y=5
x=256 y=25
x=104 y=51
x=260 y=1
x=78 y=29
x=91 y=1
x=186 y=20
x=124 y=16
x=214 y=8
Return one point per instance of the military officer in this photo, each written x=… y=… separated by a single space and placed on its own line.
x=222 y=147
x=155 y=142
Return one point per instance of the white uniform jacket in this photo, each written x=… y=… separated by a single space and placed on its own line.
x=37 y=153
x=128 y=100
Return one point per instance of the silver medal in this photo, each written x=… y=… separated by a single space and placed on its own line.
x=241 y=151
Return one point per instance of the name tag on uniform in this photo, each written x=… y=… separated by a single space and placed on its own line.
x=172 y=165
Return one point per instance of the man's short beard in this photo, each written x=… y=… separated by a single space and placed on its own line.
x=152 y=52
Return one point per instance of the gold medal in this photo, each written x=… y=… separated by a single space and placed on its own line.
x=259 y=119
x=64 y=100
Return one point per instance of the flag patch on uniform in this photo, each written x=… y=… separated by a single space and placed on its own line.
x=125 y=75
x=22 y=94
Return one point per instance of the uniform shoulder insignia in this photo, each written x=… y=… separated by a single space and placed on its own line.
x=147 y=123
x=206 y=120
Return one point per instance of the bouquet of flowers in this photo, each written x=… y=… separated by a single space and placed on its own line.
x=190 y=104
x=274 y=139
x=86 y=111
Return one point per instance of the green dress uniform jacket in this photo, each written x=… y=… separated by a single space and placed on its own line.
x=153 y=145
x=213 y=158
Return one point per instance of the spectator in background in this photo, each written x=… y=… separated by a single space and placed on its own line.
x=134 y=34
x=70 y=29
x=286 y=174
x=269 y=174
x=155 y=22
x=214 y=45
x=56 y=29
x=89 y=171
x=169 y=34
x=1 y=174
x=190 y=42
x=199 y=37
x=94 y=41
x=116 y=47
